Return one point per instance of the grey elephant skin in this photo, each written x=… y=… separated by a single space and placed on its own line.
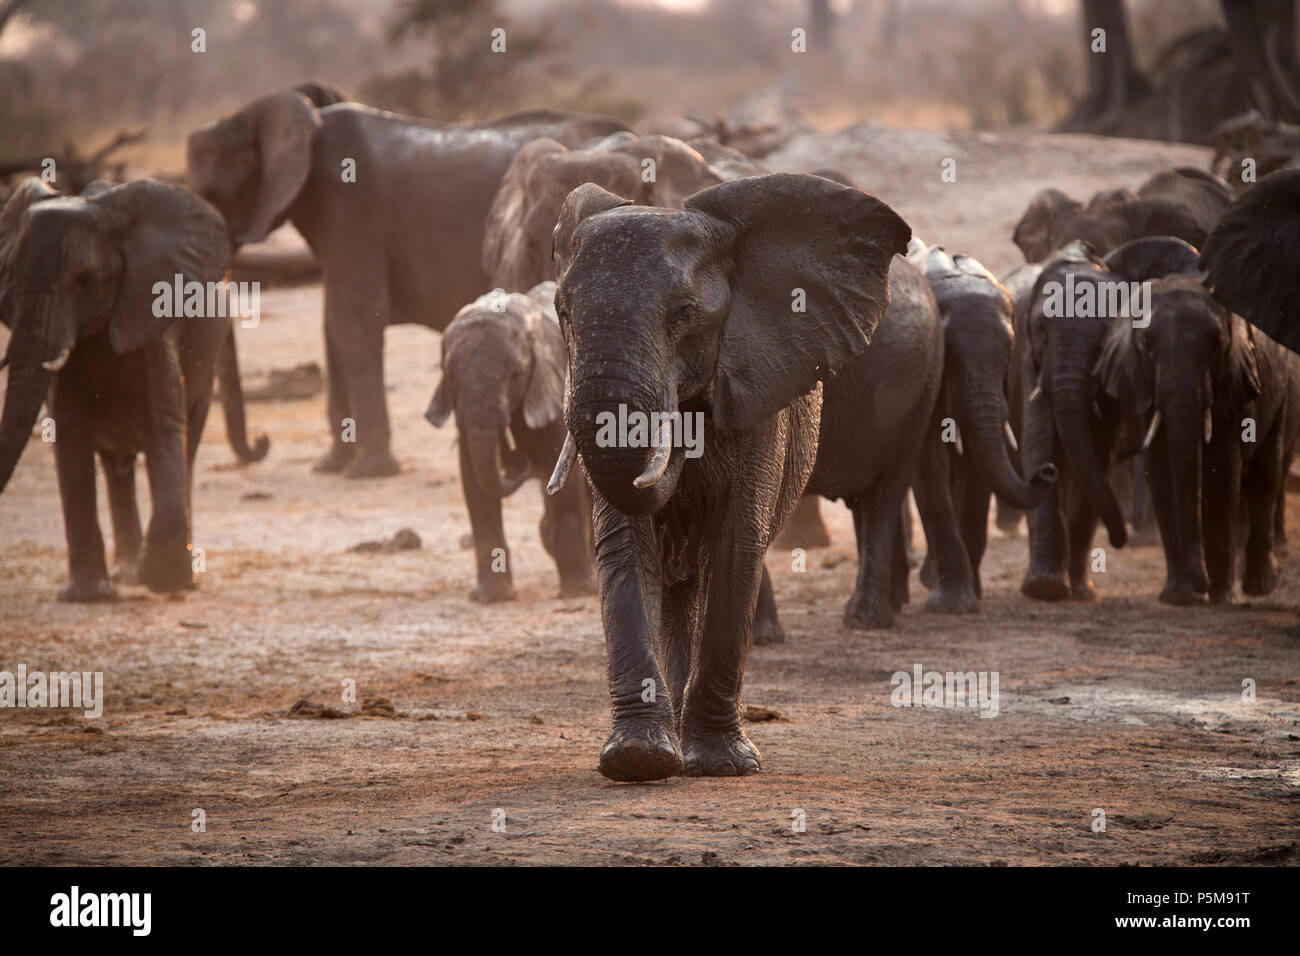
x=1071 y=422
x=1221 y=404
x=394 y=210
x=979 y=352
x=1184 y=203
x=690 y=311
x=503 y=368
x=77 y=279
x=648 y=170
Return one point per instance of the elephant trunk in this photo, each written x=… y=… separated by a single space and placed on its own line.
x=24 y=394
x=636 y=472
x=232 y=403
x=484 y=445
x=1183 y=432
x=988 y=423
x=1072 y=400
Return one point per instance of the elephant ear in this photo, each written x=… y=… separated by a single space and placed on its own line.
x=1116 y=370
x=163 y=231
x=544 y=397
x=587 y=200
x=1152 y=257
x=1033 y=234
x=788 y=232
x=1251 y=257
x=286 y=122
x=24 y=197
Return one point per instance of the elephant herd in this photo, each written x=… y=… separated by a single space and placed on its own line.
x=709 y=340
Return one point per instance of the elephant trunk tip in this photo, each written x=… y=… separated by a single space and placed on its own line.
x=1045 y=476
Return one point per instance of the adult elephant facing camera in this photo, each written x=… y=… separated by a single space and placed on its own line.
x=689 y=311
x=393 y=208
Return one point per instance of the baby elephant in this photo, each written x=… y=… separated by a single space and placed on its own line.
x=503 y=367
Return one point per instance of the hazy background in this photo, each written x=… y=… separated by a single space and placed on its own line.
x=76 y=71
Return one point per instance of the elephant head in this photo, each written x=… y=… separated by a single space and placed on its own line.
x=1182 y=203
x=252 y=165
x=73 y=267
x=503 y=354
x=652 y=170
x=979 y=342
x=667 y=310
x=1194 y=364
x=1065 y=346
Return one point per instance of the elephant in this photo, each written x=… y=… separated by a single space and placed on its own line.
x=503 y=367
x=1072 y=423
x=1183 y=202
x=393 y=209
x=685 y=319
x=517 y=238
x=979 y=349
x=1221 y=405
x=79 y=280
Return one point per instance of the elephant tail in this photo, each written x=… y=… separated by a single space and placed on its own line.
x=232 y=402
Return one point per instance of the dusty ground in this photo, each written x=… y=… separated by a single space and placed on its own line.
x=1125 y=705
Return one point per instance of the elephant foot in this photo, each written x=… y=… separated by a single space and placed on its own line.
x=125 y=572
x=641 y=749
x=493 y=590
x=1260 y=577
x=1045 y=586
x=767 y=630
x=952 y=600
x=335 y=460
x=372 y=465
x=87 y=589
x=719 y=753
x=1181 y=594
x=1083 y=590
x=868 y=613
x=1223 y=595
x=167 y=569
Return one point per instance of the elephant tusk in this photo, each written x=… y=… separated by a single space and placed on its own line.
x=1038 y=390
x=56 y=363
x=1151 y=432
x=568 y=454
x=956 y=441
x=659 y=460
x=508 y=439
x=1011 y=436
x=1209 y=425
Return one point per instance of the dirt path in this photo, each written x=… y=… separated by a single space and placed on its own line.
x=1124 y=705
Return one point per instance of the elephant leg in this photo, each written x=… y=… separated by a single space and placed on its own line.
x=1178 y=588
x=494 y=579
x=566 y=535
x=363 y=366
x=74 y=460
x=643 y=744
x=1144 y=524
x=1221 y=509
x=165 y=560
x=954 y=590
x=713 y=742
x=975 y=522
x=902 y=564
x=338 y=410
x=1261 y=486
x=805 y=529
x=1045 y=578
x=680 y=622
x=767 y=626
x=1081 y=527
x=119 y=477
